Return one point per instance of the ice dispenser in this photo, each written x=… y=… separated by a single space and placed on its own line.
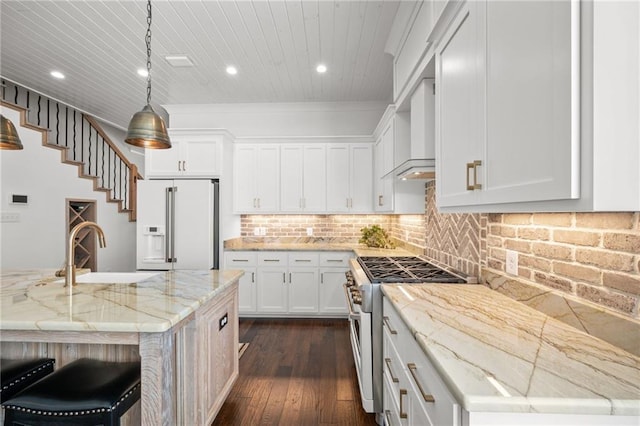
x=154 y=248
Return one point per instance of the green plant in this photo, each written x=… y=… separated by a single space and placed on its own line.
x=374 y=236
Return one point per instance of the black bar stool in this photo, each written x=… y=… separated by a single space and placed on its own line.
x=17 y=374
x=84 y=392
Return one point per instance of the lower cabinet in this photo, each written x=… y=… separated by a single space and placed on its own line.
x=291 y=283
x=217 y=336
x=416 y=393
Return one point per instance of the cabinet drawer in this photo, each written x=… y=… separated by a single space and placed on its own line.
x=392 y=367
x=427 y=385
x=391 y=415
x=393 y=324
x=301 y=258
x=240 y=259
x=272 y=258
x=335 y=259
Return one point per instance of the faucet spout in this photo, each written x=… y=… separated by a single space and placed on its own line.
x=70 y=269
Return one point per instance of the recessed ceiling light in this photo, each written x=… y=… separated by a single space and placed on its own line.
x=322 y=68
x=142 y=72
x=179 y=60
x=57 y=74
x=231 y=70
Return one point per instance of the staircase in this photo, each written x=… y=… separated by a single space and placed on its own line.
x=81 y=141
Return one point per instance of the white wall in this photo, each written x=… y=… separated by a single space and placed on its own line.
x=307 y=119
x=38 y=240
x=117 y=136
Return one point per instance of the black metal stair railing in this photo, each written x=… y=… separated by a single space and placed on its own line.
x=83 y=142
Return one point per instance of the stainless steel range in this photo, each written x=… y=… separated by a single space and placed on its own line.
x=364 y=299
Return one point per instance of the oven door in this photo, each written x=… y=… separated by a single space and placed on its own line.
x=360 y=336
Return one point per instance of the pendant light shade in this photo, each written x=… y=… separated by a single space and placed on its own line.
x=146 y=128
x=9 y=138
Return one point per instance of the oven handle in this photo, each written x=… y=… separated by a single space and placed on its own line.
x=352 y=315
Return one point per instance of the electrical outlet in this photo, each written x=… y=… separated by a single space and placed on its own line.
x=309 y=232
x=512 y=262
x=263 y=230
x=256 y=230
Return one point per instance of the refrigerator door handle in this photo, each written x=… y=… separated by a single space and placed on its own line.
x=170 y=210
x=173 y=224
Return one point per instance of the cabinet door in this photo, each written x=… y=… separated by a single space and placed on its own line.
x=532 y=115
x=383 y=200
x=291 y=178
x=459 y=98
x=247 y=291
x=244 y=177
x=267 y=178
x=314 y=178
x=272 y=290
x=332 y=298
x=338 y=190
x=218 y=335
x=162 y=162
x=361 y=178
x=201 y=158
x=303 y=290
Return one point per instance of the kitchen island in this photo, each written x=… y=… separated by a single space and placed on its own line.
x=181 y=325
x=505 y=363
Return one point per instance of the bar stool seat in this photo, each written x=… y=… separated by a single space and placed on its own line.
x=84 y=392
x=17 y=374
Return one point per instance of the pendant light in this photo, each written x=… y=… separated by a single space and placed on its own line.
x=9 y=138
x=146 y=128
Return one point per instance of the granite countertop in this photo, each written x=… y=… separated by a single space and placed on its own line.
x=308 y=244
x=36 y=300
x=471 y=333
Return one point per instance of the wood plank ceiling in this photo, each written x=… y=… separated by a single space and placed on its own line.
x=274 y=44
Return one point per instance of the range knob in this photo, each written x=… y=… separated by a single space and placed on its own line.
x=357 y=299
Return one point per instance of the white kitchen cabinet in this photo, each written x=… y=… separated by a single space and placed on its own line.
x=350 y=178
x=245 y=261
x=392 y=148
x=291 y=283
x=303 y=178
x=412 y=381
x=256 y=178
x=333 y=266
x=536 y=133
x=192 y=154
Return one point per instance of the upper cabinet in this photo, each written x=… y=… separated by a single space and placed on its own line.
x=256 y=178
x=194 y=153
x=534 y=111
x=303 y=178
x=507 y=130
x=349 y=178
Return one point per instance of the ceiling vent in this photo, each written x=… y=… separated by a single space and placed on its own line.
x=179 y=61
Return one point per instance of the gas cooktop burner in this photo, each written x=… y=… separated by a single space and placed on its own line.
x=404 y=270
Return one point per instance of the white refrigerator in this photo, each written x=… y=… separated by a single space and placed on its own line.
x=177 y=225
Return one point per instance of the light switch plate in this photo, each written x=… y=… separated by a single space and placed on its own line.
x=512 y=262
x=309 y=232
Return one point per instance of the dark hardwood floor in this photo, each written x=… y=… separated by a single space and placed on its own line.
x=295 y=372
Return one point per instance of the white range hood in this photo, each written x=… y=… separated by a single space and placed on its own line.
x=421 y=164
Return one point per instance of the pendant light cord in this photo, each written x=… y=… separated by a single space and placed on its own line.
x=147 y=40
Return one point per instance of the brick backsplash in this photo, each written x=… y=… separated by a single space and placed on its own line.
x=592 y=256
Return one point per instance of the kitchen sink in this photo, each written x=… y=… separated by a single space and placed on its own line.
x=112 y=277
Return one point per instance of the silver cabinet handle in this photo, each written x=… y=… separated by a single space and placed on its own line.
x=184 y=166
x=179 y=166
x=322 y=278
x=385 y=320
x=427 y=397
x=253 y=277
x=380 y=198
x=403 y=415
x=284 y=278
x=393 y=378
x=254 y=203
x=271 y=260
x=303 y=260
x=334 y=260
x=240 y=260
x=289 y=277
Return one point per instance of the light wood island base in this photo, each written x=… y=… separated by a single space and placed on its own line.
x=187 y=371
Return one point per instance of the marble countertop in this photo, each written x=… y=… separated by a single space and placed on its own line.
x=36 y=300
x=308 y=244
x=472 y=333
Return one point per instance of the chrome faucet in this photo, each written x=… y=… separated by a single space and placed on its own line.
x=70 y=270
